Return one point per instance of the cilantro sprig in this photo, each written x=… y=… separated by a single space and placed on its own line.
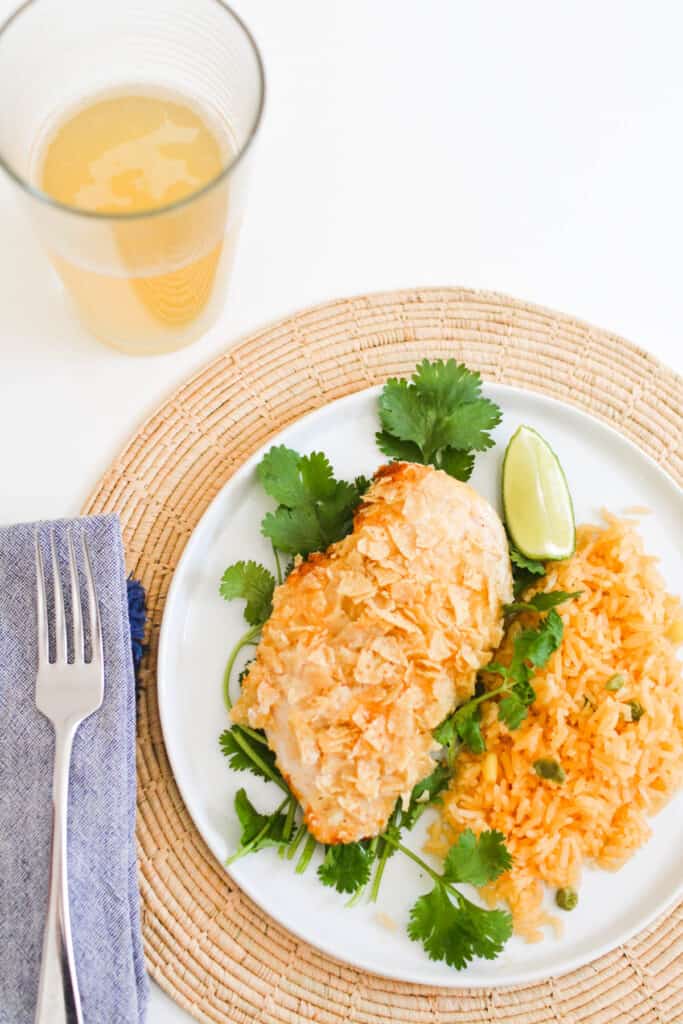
x=437 y=418
x=449 y=926
x=541 y=602
x=531 y=650
x=255 y=584
x=525 y=571
x=347 y=867
x=314 y=510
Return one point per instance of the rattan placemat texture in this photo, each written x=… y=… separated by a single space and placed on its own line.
x=207 y=944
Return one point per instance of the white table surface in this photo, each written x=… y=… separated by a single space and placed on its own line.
x=529 y=148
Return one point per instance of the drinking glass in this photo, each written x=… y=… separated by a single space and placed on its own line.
x=151 y=281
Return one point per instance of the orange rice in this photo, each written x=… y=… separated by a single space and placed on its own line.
x=618 y=771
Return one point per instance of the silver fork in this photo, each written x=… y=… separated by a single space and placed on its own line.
x=66 y=694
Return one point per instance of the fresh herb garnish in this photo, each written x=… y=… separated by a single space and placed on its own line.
x=425 y=794
x=532 y=649
x=258 y=830
x=525 y=571
x=314 y=510
x=255 y=584
x=347 y=866
x=236 y=744
x=463 y=726
x=438 y=418
x=247 y=750
x=449 y=926
x=477 y=861
x=541 y=602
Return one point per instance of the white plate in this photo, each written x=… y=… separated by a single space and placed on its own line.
x=199 y=629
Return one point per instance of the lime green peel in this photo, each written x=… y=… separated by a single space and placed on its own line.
x=538 y=507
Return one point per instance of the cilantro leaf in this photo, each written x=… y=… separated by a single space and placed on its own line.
x=255 y=584
x=489 y=929
x=463 y=725
x=280 y=476
x=442 y=928
x=458 y=932
x=541 y=602
x=521 y=561
x=536 y=645
x=402 y=415
x=346 y=867
x=296 y=531
x=457 y=464
x=467 y=428
x=445 y=733
x=524 y=570
x=238 y=757
x=466 y=720
x=477 y=860
x=449 y=383
x=314 y=509
x=512 y=711
x=530 y=646
x=439 y=417
x=404 y=451
x=317 y=476
x=424 y=795
x=258 y=830
x=336 y=514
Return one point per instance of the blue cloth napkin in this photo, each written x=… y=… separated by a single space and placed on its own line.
x=103 y=886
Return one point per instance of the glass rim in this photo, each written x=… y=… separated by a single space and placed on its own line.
x=48 y=200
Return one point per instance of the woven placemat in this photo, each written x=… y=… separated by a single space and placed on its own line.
x=207 y=944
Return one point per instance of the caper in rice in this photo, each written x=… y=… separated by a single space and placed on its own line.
x=615 y=682
x=637 y=710
x=550 y=769
x=566 y=898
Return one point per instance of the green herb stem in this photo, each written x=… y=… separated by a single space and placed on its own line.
x=258 y=760
x=244 y=850
x=305 y=857
x=486 y=695
x=384 y=853
x=414 y=857
x=379 y=872
x=288 y=825
x=278 y=567
x=244 y=641
x=434 y=875
x=289 y=820
x=254 y=735
x=296 y=841
x=355 y=898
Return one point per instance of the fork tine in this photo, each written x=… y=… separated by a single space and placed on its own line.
x=76 y=612
x=60 y=617
x=41 y=611
x=93 y=607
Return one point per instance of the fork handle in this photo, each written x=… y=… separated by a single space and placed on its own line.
x=58 y=997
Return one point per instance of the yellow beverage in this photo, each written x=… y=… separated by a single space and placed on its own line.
x=143 y=283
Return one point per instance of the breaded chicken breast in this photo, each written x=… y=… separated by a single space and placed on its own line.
x=373 y=643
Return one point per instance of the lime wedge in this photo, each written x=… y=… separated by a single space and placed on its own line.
x=536 y=498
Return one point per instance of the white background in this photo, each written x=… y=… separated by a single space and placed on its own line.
x=530 y=148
